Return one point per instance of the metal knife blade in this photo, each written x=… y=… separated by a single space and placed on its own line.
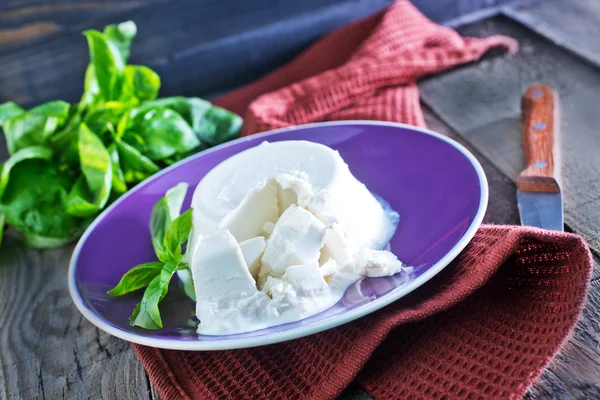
x=544 y=210
x=539 y=195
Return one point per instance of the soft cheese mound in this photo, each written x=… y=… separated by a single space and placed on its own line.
x=279 y=233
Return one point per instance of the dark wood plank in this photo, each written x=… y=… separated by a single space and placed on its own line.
x=64 y=13
x=481 y=102
x=25 y=23
x=47 y=349
x=198 y=48
x=572 y=24
x=575 y=372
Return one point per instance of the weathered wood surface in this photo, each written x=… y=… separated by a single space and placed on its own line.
x=198 y=47
x=482 y=103
x=47 y=350
x=572 y=24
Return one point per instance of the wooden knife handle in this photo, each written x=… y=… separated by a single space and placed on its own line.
x=541 y=112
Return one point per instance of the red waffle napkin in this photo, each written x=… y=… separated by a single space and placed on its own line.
x=485 y=327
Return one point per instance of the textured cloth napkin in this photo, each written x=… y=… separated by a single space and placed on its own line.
x=484 y=327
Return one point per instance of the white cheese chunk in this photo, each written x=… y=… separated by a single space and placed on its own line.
x=252 y=250
x=306 y=278
x=260 y=205
x=268 y=228
x=219 y=270
x=297 y=238
x=375 y=263
x=329 y=268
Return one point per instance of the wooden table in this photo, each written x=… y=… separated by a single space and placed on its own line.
x=48 y=350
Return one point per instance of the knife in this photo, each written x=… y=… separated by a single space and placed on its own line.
x=539 y=195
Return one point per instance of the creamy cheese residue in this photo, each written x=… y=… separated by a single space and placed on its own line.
x=280 y=232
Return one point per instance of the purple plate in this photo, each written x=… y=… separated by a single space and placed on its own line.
x=436 y=185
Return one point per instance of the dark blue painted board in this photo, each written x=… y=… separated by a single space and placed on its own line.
x=199 y=47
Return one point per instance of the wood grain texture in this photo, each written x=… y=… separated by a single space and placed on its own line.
x=13 y=36
x=481 y=102
x=47 y=349
x=572 y=24
x=575 y=372
x=197 y=47
x=541 y=113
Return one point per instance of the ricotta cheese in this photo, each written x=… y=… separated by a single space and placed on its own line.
x=279 y=233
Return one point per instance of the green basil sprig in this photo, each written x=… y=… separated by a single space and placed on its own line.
x=169 y=231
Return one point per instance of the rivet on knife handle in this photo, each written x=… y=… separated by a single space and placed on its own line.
x=540 y=138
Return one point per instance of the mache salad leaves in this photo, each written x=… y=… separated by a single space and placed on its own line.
x=69 y=161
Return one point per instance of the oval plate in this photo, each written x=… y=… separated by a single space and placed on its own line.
x=436 y=185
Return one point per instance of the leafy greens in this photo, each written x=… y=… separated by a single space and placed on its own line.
x=169 y=231
x=69 y=161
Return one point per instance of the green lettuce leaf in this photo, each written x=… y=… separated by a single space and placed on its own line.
x=91 y=190
x=217 y=126
x=163 y=133
x=120 y=36
x=135 y=166
x=39 y=210
x=34 y=127
x=107 y=63
x=118 y=179
x=139 y=83
x=22 y=155
x=8 y=110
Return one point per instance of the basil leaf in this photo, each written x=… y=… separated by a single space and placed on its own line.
x=8 y=110
x=22 y=155
x=38 y=209
x=135 y=166
x=136 y=278
x=121 y=36
x=218 y=126
x=164 y=133
x=91 y=190
x=118 y=180
x=165 y=211
x=139 y=83
x=177 y=234
x=35 y=126
x=146 y=313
